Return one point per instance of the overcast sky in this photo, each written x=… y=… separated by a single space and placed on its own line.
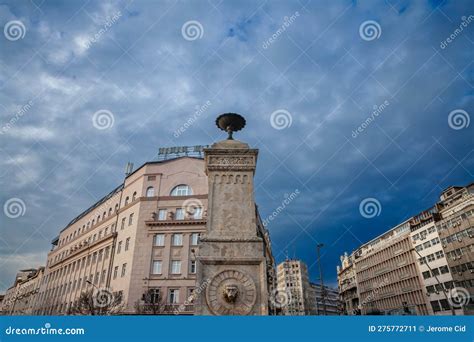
x=346 y=100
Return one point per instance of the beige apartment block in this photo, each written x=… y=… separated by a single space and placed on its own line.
x=292 y=279
x=327 y=303
x=437 y=279
x=20 y=299
x=456 y=231
x=138 y=242
x=388 y=275
x=423 y=266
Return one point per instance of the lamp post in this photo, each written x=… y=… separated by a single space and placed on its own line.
x=323 y=290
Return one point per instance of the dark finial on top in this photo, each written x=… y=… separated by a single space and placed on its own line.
x=230 y=122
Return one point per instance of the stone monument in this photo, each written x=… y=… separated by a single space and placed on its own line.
x=231 y=262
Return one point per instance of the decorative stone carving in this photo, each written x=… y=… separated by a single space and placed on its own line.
x=231 y=292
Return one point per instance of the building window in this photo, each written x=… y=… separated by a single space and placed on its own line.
x=126 y=200
x=197 y=213
x=122 y=226
x=119 y=247
x=435 y=306
x=159 y=240
x=444 y=269
x=181 y=190
x=192 y=267
x=162 y=214
x=107 y=250
x=176 y=267
x=134 y=196
x=435 y=272
x=102 y=279
x=127 y=244
x=194 y=239
x=153 y=296
x=426 y=274
x=173 y=296
x=179 y=214
x=150 y=191
x=124 y=270
x=177 y=240
x=439 y=254
x=130 y=219
x=115 y=272
x=157 y=267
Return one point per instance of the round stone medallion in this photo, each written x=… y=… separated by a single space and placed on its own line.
x=231 y=292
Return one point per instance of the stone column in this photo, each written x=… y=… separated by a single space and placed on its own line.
x=231 y=265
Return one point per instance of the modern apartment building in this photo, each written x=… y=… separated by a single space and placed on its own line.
x=456 y=232
x=327 y=303
x=437 y=278
x=388 y=277
x=292 y=279
x=417 y=267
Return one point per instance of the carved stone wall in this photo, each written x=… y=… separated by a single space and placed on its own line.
x=231 y=258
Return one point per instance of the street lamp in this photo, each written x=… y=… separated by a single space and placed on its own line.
x=323 y=291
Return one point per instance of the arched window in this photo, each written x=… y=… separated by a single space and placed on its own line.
x=103 y=215
x=116 y=207
x=110 y=211
x=150 y=191
x=126 y=200
x=134 y=196
x=181 y=190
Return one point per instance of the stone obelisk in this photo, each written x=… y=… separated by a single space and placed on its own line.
x=231 y=265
